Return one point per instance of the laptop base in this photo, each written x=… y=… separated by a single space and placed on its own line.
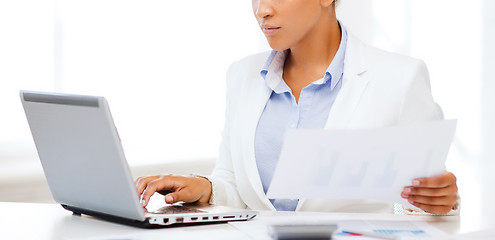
x=130 y=222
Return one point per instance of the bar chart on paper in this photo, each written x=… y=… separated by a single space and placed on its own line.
x=360 y=164
x=407 y=230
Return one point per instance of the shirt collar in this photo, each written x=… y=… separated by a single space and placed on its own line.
x=272 y=70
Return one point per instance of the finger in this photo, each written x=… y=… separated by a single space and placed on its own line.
x=183 y=194
x=147 y=193
x=165 y=192
x=438 y=201
x=162 y=183
x=443 y=180
x=172 y=198
x=435 y=209
x=138 y=179
x=142 y=183
x=431 y=192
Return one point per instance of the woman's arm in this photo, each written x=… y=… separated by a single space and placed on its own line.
x=438 y=194
x=219 y=188
x=223 y=176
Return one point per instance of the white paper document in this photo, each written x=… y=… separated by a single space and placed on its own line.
x=394 y=228
x=360 y=164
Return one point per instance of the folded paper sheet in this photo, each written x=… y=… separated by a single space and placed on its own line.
x=360 y=164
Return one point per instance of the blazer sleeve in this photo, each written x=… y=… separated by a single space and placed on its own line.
x=418 y=104
x=224 y=188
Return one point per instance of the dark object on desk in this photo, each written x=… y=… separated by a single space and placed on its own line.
x=302 y=231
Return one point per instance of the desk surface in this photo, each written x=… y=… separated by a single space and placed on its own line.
x=51 y=221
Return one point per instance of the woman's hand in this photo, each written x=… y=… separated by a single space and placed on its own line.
x=434 y=195
x=175 y=188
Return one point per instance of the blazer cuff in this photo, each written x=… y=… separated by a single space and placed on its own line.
x=212 y=196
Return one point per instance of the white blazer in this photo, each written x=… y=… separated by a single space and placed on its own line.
x=378 y=89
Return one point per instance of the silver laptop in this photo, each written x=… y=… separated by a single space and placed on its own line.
x=86 y=169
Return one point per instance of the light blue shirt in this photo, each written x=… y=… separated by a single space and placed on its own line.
x=282 y=113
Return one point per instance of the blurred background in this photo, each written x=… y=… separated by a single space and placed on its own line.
x=161 y=65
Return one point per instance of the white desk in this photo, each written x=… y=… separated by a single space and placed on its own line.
x=51 y=221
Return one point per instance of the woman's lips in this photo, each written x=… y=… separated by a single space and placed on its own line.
x=270 y=30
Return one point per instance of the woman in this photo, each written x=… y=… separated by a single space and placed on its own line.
x=318 y=76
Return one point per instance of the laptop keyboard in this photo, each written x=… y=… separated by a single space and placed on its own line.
x=174 y=209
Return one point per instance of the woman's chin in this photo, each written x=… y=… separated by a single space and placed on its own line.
x=277 y=45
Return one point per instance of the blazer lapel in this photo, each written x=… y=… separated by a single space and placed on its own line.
x=256 y=102
x=353 y=85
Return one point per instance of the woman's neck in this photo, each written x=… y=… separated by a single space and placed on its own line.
x=314 y=53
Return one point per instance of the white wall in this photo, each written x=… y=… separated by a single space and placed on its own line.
x=487 y=164
x=161 y=64
x=26 y=60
